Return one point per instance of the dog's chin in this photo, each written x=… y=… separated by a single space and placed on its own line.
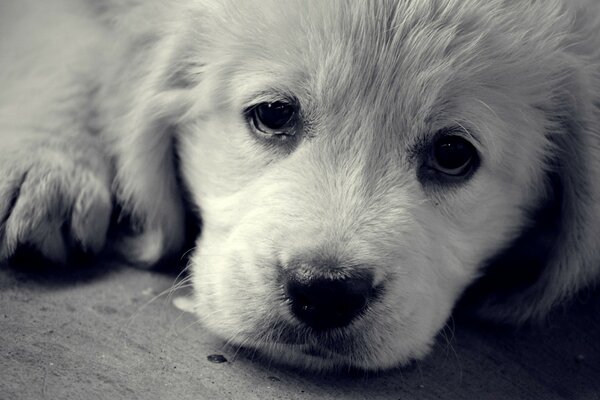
x=322 y=355
x=311 y=357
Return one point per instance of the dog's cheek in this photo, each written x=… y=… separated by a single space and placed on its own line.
x=234 y=276
x=219 y=157
x=217 y=162
x=226 y=301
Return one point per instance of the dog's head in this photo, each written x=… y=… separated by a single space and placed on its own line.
x=358 y=164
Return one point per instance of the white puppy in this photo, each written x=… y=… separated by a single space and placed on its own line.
x=357 y=165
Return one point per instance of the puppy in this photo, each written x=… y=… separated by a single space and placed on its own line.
x=358 y=166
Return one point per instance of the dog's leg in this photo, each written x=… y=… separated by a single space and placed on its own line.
x=148 y=191
x=144 y=148
x=55 y=176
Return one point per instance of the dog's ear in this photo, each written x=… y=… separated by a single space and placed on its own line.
x=559 y=253
x=147 y=186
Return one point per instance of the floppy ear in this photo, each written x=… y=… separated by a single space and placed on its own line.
x=560 y=252
x=147 y=185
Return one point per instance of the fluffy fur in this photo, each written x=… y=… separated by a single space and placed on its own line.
x=128 y=105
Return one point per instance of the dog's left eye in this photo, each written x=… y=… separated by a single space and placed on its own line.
x=277 y=118
x=453 y=156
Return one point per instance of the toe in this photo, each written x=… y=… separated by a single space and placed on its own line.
x=90 y=216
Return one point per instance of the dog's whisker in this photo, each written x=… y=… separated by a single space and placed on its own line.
x=186 y=282
x=447 y=333
x=187 y=253
x=142 y=307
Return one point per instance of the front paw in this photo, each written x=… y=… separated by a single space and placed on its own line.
x=54 y=199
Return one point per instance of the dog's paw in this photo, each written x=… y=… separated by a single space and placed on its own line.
x=143 y=249
x=54 y=198
x=153 y=241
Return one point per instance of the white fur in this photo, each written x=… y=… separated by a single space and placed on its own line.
x=150 y=83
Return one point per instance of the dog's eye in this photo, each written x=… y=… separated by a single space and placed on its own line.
x=454 y=156
x=277 y=118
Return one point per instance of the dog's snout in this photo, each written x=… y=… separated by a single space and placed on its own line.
x=326 y=303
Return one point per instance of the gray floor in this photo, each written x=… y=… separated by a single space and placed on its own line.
x=101 y=333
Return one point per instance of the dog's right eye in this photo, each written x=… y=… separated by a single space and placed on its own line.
x=453 y=156
x=278 y=118
x=450 y=158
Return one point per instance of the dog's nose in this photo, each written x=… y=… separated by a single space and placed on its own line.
x=327 y=303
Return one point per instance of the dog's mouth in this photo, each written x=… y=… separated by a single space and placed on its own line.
x=283 y=332
x=298 y=346
x=292 y=344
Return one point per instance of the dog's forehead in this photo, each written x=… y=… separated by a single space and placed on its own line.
x=386 y=54
x=392 y=63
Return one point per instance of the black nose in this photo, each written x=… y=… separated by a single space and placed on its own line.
x=327 y=303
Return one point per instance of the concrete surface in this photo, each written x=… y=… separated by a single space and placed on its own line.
x=102 y=332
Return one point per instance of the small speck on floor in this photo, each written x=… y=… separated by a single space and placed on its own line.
x=216 y=358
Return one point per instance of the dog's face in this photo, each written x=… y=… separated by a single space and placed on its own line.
x=355 y=166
